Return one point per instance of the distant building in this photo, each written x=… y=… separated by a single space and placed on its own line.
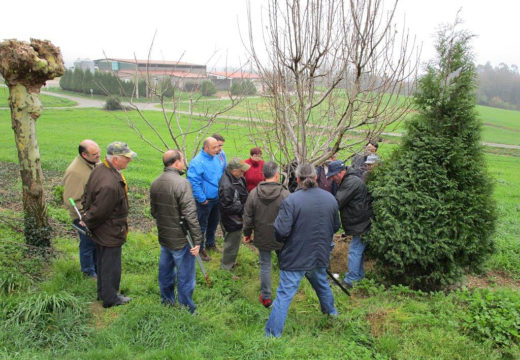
x=181 y=74
x=223 y=80
x=84 y=64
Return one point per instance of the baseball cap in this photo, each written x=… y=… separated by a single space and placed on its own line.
x=120 y=148
x=372 y=159
x=335 y=167
x=237 y=163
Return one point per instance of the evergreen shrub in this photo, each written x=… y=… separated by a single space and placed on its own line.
x=207 y=88
x=434 y=215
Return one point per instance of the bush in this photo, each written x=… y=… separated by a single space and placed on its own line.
x=493 y=316
x=245 y=87
x=207 y=88
x=113 y=103
x=434 y=215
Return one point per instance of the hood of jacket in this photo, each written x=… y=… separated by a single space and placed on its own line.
x=269 y=191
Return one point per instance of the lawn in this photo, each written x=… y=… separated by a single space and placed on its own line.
x=48 y=101
x=50 y=312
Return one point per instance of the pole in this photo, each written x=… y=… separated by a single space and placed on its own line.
x=73 y=203
x=338 y=283
x=190 y=241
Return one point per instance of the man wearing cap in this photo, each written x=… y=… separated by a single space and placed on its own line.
x=170 y=198
x=105 y=207
x=370 y=163
x=232 y=195
x=204 y=174
x=355 y=207
x=74 y=181
x=358 y=162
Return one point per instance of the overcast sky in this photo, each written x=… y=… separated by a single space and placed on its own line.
x=207 y=31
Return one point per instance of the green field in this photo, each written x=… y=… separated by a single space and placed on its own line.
x=47 y=100
x=50 y=311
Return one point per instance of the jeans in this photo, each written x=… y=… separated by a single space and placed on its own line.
x=177 y=265
x=209 y=217
x=355 y=260
x=109 y=273
x=87 y=252
x=232 y=242
x=289 y=283
x=265 y=274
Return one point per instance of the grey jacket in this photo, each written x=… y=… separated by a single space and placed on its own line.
x=171 y=197
x=260 y=211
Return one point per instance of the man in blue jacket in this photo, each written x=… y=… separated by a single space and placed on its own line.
x=306 y=223
x=204 y=175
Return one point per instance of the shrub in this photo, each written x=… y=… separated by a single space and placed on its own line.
x=493 y=316
x=434 y=215
x=245 y=87
x=207 y=88
x=113 y=103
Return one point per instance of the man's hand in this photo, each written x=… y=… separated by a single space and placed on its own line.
x=205 y=202
x=195 y=250
x=247 y=239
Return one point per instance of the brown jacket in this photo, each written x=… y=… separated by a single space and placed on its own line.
x=105 y=205
x=260 y=211
x=74 y=182
x=170 y=197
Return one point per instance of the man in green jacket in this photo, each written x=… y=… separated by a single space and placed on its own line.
x=171 y=197
x=105 y=206
x=74 y=182
x=260 y=211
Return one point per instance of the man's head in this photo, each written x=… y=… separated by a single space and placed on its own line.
x=337 y=171
x=271 y=172
x=371 y=147
x=89 y=151
x=220 y=139
x=119 y=155
x=211 y=146
x=173 y=159
x=371 y=162
x=306 y=176
x=237 y=167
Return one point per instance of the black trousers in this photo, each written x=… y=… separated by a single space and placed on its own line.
x=108 y=273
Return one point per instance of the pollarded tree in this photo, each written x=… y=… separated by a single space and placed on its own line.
x=434 y=215
x=25 y=68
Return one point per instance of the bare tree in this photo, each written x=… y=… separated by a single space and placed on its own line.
x=333 y=72
x=25 y=68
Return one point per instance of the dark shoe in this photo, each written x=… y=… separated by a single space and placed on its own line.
x=212 y=248
x=266 y=302
x=346 y=285
x=121 y=300
x=204 y=255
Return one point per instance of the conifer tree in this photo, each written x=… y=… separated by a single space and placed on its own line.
x=434 y=213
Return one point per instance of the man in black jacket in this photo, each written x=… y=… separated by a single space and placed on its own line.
x=232 y=195
x=170 y=198
x=355 y=208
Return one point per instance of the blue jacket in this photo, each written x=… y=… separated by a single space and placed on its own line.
x=204 y=174
x=306 y=223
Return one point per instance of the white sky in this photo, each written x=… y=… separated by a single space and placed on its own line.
x=201 y=28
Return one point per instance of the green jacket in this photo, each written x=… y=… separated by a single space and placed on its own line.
x=170 y=197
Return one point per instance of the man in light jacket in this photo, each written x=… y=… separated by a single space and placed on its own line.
x=170 y=198
x=260 y=211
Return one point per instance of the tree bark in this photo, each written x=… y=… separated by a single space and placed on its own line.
x=25 y=68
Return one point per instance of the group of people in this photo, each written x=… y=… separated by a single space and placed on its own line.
x=245 y=197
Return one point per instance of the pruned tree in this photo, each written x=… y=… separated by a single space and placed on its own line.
x=26 y=67
x=334 y=72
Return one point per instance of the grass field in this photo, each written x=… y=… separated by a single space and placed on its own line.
x=47 y=100
x=50 y=311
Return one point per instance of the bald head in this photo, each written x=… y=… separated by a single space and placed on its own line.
x=173 y=158
x=89 y=150
x=211 y=146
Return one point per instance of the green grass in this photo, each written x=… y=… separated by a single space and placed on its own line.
x=48 y=101
x=64 y=321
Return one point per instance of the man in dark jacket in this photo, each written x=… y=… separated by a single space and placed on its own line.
x=170 y=198
x=105 y=206
x=359 y=161
x=355 y=207
x=260 y=212
x=232 y=195
x=306 y=223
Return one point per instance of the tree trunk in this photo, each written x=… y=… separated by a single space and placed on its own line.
x=25 y=68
